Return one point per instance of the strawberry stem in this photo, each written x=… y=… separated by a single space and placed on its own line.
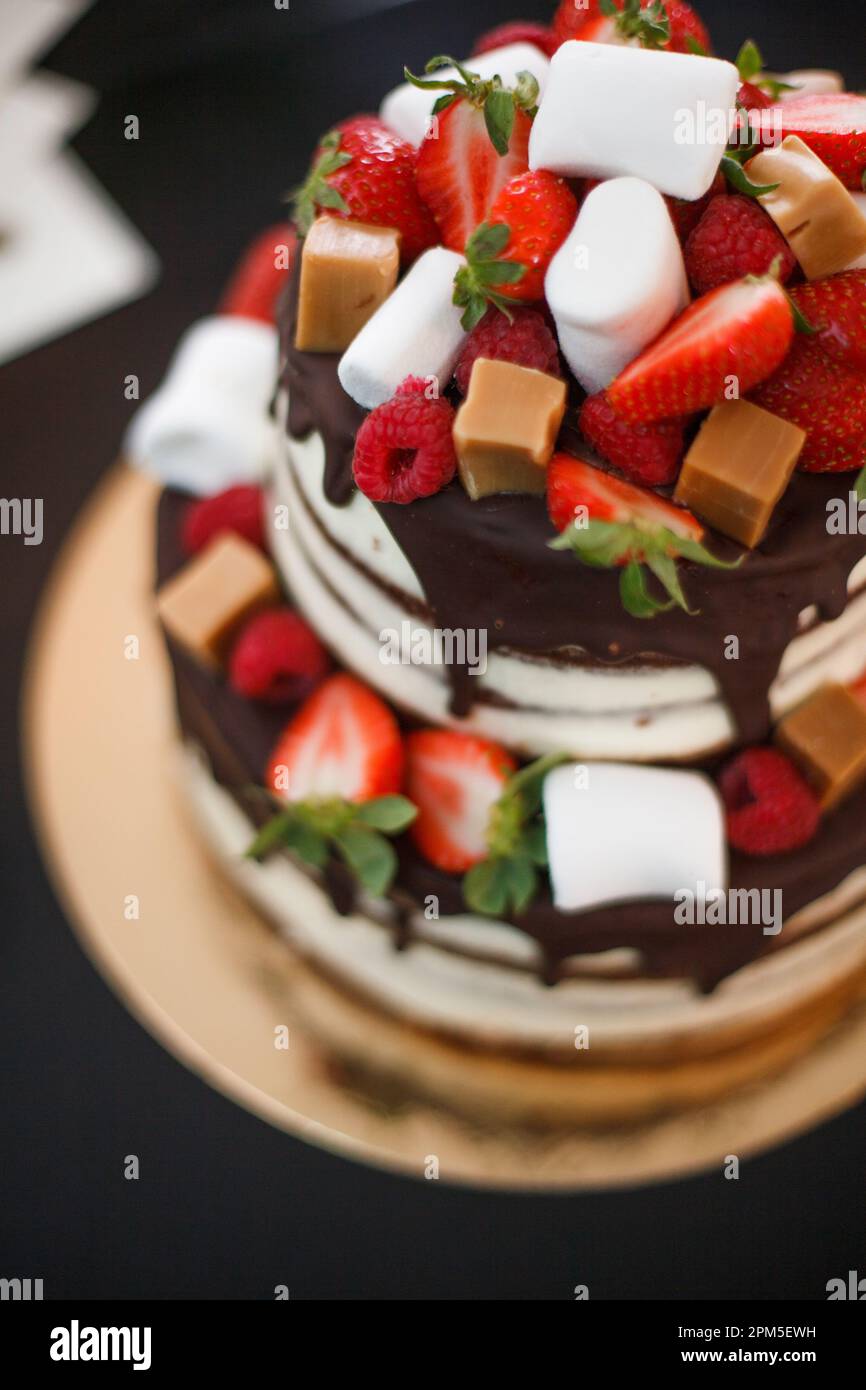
x=475 y=283
x=507 y=880
x=315 y=191
x=498 y=103
x=649 y=24
x=638 y=549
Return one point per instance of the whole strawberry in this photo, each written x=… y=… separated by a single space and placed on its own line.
x=648 y=454
x=735 y=237
x=508 y=256
x=836 y=309
x=524 y=339
x=478 y=139
x=668 y=24
x=823 y=398
x=516 y=31
x=364 y=171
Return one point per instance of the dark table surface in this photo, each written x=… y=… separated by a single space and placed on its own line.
x=231 y=96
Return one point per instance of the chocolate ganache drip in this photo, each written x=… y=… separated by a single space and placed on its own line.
x=486 y=565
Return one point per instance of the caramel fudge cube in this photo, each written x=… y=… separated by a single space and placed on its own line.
x=737 y=469
x=347 y=270
x=811 y=207
x=827 y=737
x=204 y=604
x=506 y=429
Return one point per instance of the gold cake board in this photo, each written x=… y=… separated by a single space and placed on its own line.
x=203 y=973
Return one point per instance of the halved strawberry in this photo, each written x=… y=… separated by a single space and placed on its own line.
x=576 y=490
x=836 y=307
x=834 y=127
x=344 y=742
x=826 y=400
x=608 y=523
x=724 y=343
x=478 y=141
x=454 y=780
x=260 y=275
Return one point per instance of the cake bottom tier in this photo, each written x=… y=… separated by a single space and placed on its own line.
x=478 y=1033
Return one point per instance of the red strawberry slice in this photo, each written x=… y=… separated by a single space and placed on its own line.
x=454 y=780
x=574 y=485
x=344 y=742
x=837 y=309
x=460 y=174
x=833 y=126
x=751 y=98
x=826 y=400
x=260 y=275
x=585 y=20
x=729 y=340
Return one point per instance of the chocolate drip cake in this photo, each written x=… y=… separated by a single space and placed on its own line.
x=512 y=565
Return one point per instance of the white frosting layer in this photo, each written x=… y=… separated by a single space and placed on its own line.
x=639 y=714
x=489 y=1003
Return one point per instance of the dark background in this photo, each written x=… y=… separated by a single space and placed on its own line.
x=231 y=95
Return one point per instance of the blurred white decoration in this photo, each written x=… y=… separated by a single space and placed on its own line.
x=67 y=254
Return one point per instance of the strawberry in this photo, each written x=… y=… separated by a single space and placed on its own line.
x=751 y=98
x=478 y=141
x=609 y=524
x=668 y=24
x=455 y=781
x=649 y=454
x=344 y=743
x=516 y=31
x=836 y=307
x=363 y=171
x=834 y=128
x=260 y=275
x=734 y=337
x=508 y=256
x=826 y=400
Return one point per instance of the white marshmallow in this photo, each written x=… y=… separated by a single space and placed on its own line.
x=207 y=425
x=407 y=108
x=416 y=332
x=810 y=82
x=609 y=109
x=617 y=280
x=617 y=831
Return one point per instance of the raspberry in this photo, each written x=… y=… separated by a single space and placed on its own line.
x=686 y=215
x=276 y=658
x=404 y=449
x=751 y=98
x=518 y=31
x=770 y=808
x=648 y=454
x=238 y=509
x=735 y=238
x=526 y=340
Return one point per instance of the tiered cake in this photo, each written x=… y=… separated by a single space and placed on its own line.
x=526 y=692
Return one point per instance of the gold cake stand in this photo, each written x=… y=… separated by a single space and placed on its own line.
x=203 y=973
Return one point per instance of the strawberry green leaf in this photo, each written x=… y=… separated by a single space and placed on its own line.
x=499 y=118
x=695 y=46
x=389 y=813
x=635 y=596
x=739 y=179
x=315 y=191
x=649 y=24
x=487 y=241
x=290 y=830
x=749 y=61
x=526 y=92
x=860 y=486
x=535 y=844
x=370 y=857
x=664 y=568
x=485 y=887
x=522 y=881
